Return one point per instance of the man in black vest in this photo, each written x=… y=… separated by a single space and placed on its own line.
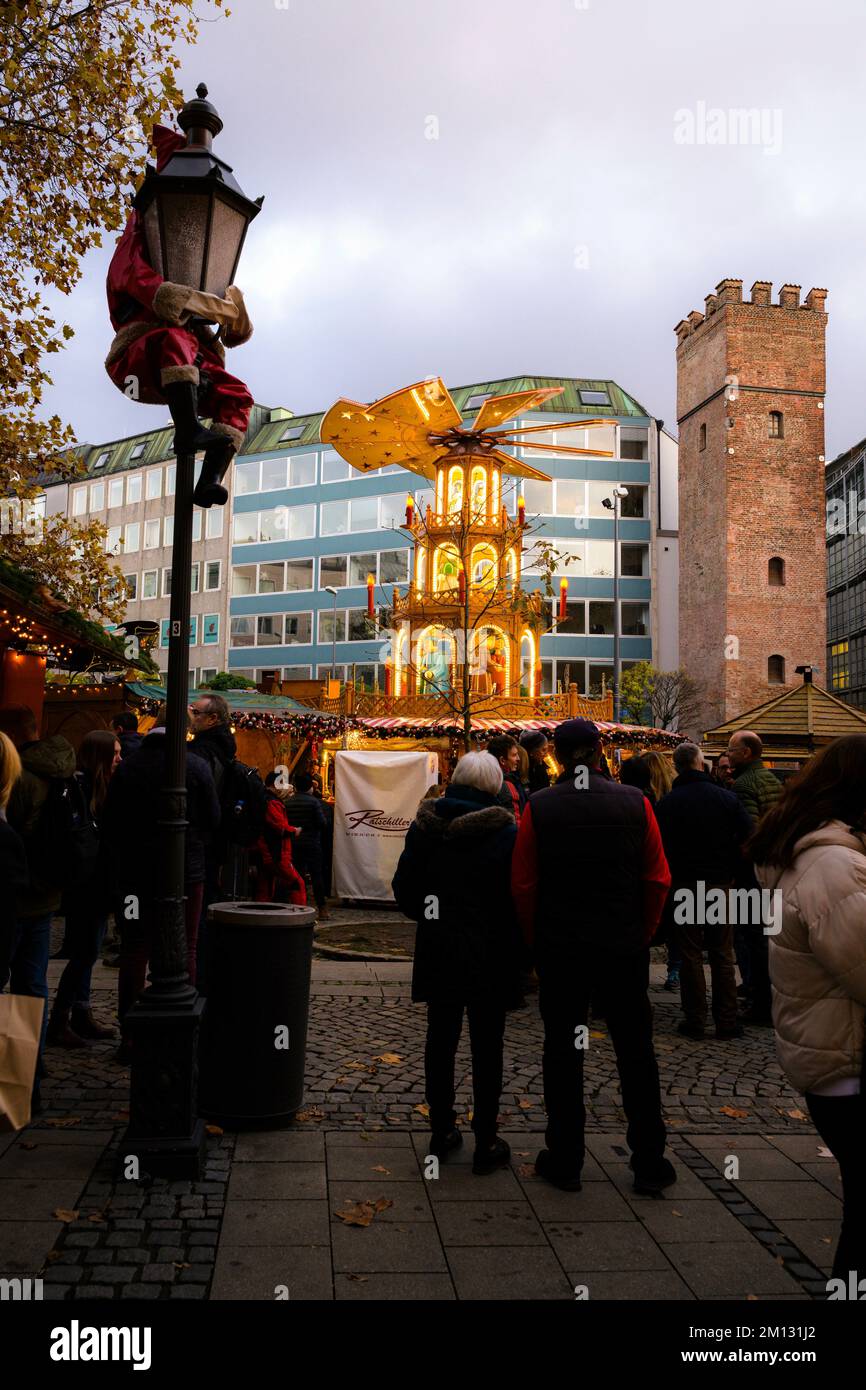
x=589 y=879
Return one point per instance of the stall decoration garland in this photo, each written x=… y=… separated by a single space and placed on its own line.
x=325 y=726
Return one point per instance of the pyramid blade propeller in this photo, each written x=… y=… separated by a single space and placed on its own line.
x=498 y=408
x=394 y=429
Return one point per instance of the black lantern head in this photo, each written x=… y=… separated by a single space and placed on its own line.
x=194 y=212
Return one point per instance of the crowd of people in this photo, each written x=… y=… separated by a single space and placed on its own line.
x=79 y=835
x=578 y=877
x=559 y=871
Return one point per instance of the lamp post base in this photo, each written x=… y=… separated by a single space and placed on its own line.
x=165 y=1133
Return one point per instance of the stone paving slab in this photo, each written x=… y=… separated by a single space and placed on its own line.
x=731 y=1269
x=258 y=1271
x=426 y=1288
x=262 y=1219
x=508 y=1272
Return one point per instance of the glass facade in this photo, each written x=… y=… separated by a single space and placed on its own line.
x=322 y=525
x=846 y=576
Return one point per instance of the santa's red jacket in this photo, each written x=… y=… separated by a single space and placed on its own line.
x=154 y=343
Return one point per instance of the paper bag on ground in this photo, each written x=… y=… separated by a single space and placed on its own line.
x=20 y=1024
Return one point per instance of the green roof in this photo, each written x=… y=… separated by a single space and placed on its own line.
x=568 y=403
x=265 y=431
x=238 y=701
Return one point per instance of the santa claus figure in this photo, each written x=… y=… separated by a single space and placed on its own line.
x=168 y=348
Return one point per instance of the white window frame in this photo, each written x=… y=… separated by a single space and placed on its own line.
x=194 y=577
x=152 y=522
x=329 y=482
x=132 y=598
x=79 y=501
x=133 y=488
x=166 y=582
x=212 y=530
x=117 y=547
x=153 y=484
x=213 y=588
x=170 y=475
x=196 y=524
x=97 y=489
x=147 y=598
x=132 y=528
x=113 y=485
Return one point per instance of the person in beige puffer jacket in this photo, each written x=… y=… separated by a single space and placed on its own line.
x=811 y=846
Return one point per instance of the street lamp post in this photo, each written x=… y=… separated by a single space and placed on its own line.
x=614 y=505
x=330 y=590
x=195 y=218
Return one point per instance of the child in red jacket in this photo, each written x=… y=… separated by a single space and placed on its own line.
x=277 y=879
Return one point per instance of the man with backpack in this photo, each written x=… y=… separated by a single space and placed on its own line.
x=132 y=835
x=41 y=810
x=243 y=806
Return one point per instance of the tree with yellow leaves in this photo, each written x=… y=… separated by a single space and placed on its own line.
x=81 y=84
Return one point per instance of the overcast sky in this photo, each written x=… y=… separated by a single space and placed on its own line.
x=560 y=222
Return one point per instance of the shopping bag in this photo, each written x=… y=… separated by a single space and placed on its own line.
x=20 y=1026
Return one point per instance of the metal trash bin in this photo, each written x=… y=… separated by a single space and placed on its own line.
x=253 y=1042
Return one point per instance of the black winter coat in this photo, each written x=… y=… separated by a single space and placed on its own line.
x=129 y=743
x=702 y=827
x=131 y=811
x=14 y=876
x=458 y=853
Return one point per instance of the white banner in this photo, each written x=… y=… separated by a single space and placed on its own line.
x=376 y=796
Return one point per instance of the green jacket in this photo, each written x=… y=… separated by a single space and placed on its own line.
x=50 y=757
x=757 y=789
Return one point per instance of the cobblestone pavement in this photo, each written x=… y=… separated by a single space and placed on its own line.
x=262 y=1221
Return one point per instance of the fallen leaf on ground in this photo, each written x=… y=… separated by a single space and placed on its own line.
x=64 y=1214
x=313 y=1113
x=361 y=1066
x=180 y=1264
x=526 y=1170
x=826 y=1240
x=380 y=1168
x=824 y=1153
x=96 y=1216
x=359 y=1278
x=674 y=1212
x=422 y=1109
x=752 y=1298
x=213 y=1129
x=469 y=1115
x=391 y=1058
x=796 y=1115
x=362 y=1213
x=734 y=1113
x=65 y=1123
x=525 y=1104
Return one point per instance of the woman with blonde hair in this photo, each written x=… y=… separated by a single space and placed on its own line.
x=661 y=774
x=13 y=860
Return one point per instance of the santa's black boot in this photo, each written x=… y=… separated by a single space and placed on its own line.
x=209 y=491
x=190 y=435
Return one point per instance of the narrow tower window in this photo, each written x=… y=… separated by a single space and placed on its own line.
x=776 y=571
x=776 y=428
x=702 y=437
x=776 y=670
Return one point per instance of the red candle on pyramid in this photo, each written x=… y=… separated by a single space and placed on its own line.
x=563 y=597
x=521 y=510
x=371 y=584
x=410 y=510
x=389 y=674
x=461 y=583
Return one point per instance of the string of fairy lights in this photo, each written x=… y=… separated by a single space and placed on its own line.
x=316 y=727
x=24 y=634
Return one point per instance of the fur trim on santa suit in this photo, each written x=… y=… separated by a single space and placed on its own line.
x=160 y=337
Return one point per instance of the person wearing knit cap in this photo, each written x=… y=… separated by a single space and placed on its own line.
x=589 y=880
x=535 y=744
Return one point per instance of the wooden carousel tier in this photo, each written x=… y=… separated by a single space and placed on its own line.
x=446 y=604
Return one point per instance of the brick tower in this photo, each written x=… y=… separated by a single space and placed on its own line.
x=750 y=407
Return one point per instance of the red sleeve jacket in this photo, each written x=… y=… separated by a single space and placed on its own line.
x=524 y=875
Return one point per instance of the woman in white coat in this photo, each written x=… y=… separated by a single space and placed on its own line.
x=811 y=845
